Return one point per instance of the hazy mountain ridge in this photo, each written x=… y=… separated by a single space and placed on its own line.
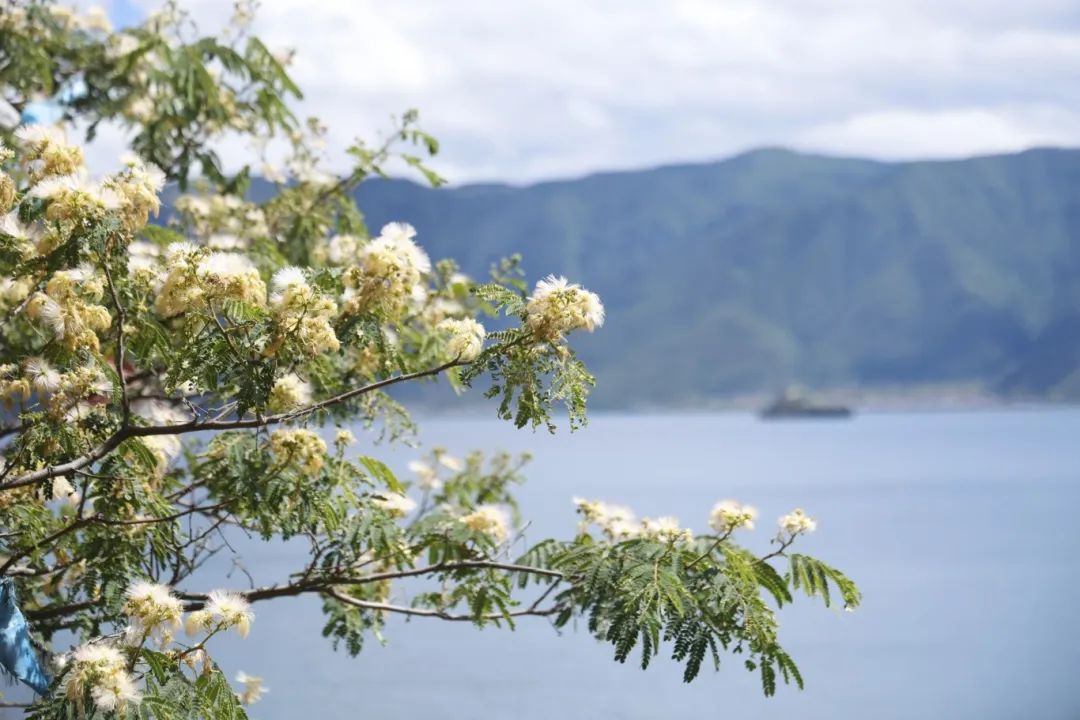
x=775 y=267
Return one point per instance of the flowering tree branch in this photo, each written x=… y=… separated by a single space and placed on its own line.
x=125 y=433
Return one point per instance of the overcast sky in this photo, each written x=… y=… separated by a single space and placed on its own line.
x=521 y=90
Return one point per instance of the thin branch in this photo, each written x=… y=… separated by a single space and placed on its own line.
x=126 y=433
x=422 y=612
x=320 y=584
x=121 y=320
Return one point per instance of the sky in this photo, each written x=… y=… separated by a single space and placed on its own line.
x=528 y=90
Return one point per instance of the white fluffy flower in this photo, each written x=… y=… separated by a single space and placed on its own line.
x=224 y=608
x=101 y=669
x=489 y=519
x=342 y=249
x=466 y=338
x=253 y=688
x=796 y=522
x=119 y=690
x=396 y=504
x=426 y=476
x=289 y=392
x=287 y=277
x=666 y=529
x=42 y=376
x=35 y=137
x=153 y=610
x=728 y=515
x=225 y=265
x=451 y=462
x=558 y=306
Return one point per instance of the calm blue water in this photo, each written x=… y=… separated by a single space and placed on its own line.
x=960 y=529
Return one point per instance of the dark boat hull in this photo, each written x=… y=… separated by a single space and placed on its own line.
x=815 y=413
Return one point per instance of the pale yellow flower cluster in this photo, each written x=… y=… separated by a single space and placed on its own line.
x=254 y=687
x=138 y=184
x=557 y=307
x=489 y=519
x=289 y=392
x=195 y=279
x=68 y=309
x=101 y=669
x=56 y=173
x=395 y=504
x=728 y=515
x=343 y=438
x=226 y=222
x=153 y=612
x=797 y=522
x=303 y=447
x=427 y=477
x=301 y=314
x=384 y=273
x=465 y=338
x=46 y=152
x=223 y=610
x=615 y=521
x=665 y=529
x=57 y=391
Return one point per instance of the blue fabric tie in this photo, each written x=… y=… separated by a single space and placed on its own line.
x=17 y=655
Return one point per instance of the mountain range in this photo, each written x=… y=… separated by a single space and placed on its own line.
x=774 y=267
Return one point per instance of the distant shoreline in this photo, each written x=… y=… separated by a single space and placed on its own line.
x=927 y=399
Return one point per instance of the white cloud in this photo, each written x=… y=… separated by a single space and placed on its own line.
x=939 y=134
x=527 y=89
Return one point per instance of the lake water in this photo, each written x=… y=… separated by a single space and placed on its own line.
x=960 y=528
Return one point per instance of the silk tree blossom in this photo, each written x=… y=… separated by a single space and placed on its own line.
x=254 y=688
x=68 y=309
x=427 y=478
x=8 y=192
x=386 y=271
x=395 y=504
x=74 y=198
x=489 y=519
x=223 y=610
x=287 y=278
x=227 y=242
x=62 y=489
x=138 y=185
x=101 y=669
x=728 y=515
x=797 y=522
x=615 y=521
x=302 y=447
x=13 y=291
x=144 y=264
x=448 y=461
x=43 y=377
x=666 y=529
x=180 y=289
x=342 y=249
x=465 y=338
x=557 y=307
x=289 y=392
x=153 y=611
x=231 y=275
x=47 y=152
x=302 y=314
x=343 y=438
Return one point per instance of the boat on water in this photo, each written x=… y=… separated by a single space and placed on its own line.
x=791 y=405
